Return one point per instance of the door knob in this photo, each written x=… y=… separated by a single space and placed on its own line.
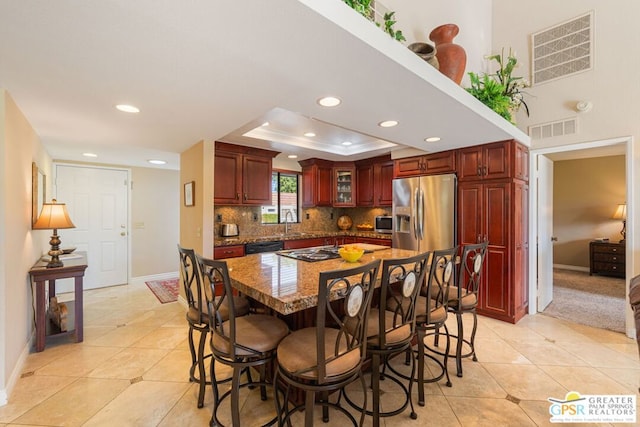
x=554 y=239
x=123 y=233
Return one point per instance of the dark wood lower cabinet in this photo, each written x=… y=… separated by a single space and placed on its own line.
x=496 y=211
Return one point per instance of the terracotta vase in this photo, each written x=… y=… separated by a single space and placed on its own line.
x=451 y=57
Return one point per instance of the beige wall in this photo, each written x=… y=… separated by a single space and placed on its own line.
x=20 y=247
x=155 y=215
x=586 y=193
x=196 y=222
x=154 y=202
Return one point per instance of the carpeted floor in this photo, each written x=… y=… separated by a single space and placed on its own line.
x=596 y=301
x=165 y=290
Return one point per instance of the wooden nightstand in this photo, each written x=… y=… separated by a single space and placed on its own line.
x=607 y=259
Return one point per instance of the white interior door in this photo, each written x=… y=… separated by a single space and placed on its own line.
x=97 y=201
x=545 y=232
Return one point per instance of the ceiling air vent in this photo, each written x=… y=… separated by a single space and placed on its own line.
x=562 y=50
x=558 y=128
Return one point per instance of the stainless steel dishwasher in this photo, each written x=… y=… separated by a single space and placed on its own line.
x=260 y=247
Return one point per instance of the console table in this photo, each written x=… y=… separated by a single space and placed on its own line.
x=607 y=259
x=73 y=267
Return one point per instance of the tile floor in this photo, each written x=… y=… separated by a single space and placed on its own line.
x=132 y=370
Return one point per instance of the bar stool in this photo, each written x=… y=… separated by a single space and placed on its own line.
x=328 y=357
x=198 y=318
x=432 y=315
x=392 y=326
x=463 y=298
x=240 y=342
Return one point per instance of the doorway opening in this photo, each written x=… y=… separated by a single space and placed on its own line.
x=541 y=212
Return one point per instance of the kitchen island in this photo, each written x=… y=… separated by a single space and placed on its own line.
x=287 y=285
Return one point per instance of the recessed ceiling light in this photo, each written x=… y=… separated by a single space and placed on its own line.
x=90 y=154
x=432 y=139
x=128 y=108
x=388 y=123
x=329 y=101
x=347 y=143
x=265 y=124
x=309 y=134
x=292 y=156
x=157 y=162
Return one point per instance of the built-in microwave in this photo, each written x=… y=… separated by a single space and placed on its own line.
x=384 y=224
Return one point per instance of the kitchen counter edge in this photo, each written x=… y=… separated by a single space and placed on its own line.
x=241 y=240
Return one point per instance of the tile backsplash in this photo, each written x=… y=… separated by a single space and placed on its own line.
x=319 y=219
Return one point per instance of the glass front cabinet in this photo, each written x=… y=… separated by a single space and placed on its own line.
x=344 y=191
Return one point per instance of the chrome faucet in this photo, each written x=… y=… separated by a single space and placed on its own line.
x=286 y=223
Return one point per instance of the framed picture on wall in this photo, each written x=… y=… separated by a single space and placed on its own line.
x=188 y=193
x=38 y=191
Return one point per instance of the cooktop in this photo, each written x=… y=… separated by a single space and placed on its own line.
x=316 y=253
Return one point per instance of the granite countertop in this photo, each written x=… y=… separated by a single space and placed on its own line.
x=241 y=240
x=288 y=285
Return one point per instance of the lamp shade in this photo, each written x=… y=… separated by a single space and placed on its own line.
x=621 y=212
x=53 y=216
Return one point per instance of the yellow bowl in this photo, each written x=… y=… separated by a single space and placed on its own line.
x=350 y=255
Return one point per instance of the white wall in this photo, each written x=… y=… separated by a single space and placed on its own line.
x=416 y=19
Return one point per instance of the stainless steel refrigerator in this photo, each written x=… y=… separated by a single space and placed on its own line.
x=424 y=212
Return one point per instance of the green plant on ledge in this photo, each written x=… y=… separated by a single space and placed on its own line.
x=389 y=22
x=501 y=91
x=490 y=93
x=363 y=7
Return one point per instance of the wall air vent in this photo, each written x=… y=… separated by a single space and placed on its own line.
x=551 y=129
x=562 y=50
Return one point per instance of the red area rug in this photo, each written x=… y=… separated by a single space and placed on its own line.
x=165 y=290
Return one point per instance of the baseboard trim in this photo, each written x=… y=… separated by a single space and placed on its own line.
x=571 y=267
x=162 y=276
x=16 y=373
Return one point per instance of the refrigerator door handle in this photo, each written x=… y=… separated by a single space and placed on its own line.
x=415 y=213
x=420 y=212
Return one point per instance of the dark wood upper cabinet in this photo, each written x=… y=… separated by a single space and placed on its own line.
x=227 y=178
x=374 y=179
x=242 y=175
x=428 y=164
x=317 y=182
x=364 y=193
x=504 y=159
x=383 y=183
x=521 y=162
x=256 y=180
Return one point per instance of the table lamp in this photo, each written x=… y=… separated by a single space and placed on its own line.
x=621 y=213
x=53 y=216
